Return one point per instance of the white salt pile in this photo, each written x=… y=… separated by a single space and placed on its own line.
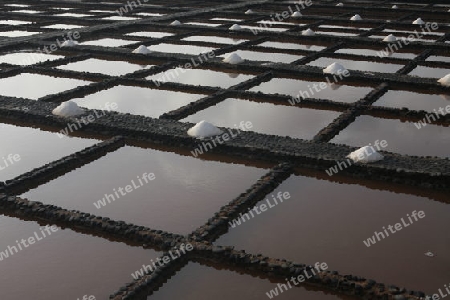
x=203 y=129
x=249 y=12
x=296 y=14
x=235 y=27
x=356 y=18
x=142 y=50
x=334 y=69
x=365 y=154
x=418 y=21
x=308 y=32
x=340 y=4
x=68 y=109
x=394 y=7
x=445 y=81
x=175 y=23
x=233 y=58
x=69 y=43
x=429 y=254
x=390 y=38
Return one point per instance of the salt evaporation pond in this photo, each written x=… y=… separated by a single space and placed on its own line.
x=402 y=137
x=293 y=87
x=201 y=282
x=199 y=77
x=138 y=100
x=37 y=85
x=186 y=191
x=107 y=67
x=68 y=260
x=31 y=145
x=291 y=121
x=359 y=211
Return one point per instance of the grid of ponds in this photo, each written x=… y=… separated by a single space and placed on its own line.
x=63 y=172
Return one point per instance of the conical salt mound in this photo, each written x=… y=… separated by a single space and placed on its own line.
x=203 y=129
x=68 y=109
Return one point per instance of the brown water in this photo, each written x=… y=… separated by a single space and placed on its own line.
x=402 y=137
x=365 y=66
x=186 y=49
x=268 y=57
x=266 y=118
x=327 y=222
x=32 y=147
x=108 y=42
x=429 y=72
x=64 y=264
x=107 y=67
x=184 y=194
x=199 y=77
x=27 y=58
x=311 y=89
x=200 y=282
x=37 y=85
x=439 y=58
x=138 y=100
x=415 y=101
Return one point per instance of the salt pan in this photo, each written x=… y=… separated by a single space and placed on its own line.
x=67 y=109
x=203 y=129
x=365 y=154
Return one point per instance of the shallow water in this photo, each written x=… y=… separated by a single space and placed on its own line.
x=267 y=118
x=17 y=33
x=312 y=89
x=107 y=42
x=328 y=222
x=199 y=77
x=292 y=46
x=429 y=72
x=266 y=56
x=414 y=101
x=184 y=194
x=137 y=100
x=402 y=137
x=200 y=282
x=365 y=66
x=213 y=39
x=151 y=34
x=108 y=67
x=27 y=58
x=31 y=146
x=37 y=85
x=186 y=49
x=68 y=260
